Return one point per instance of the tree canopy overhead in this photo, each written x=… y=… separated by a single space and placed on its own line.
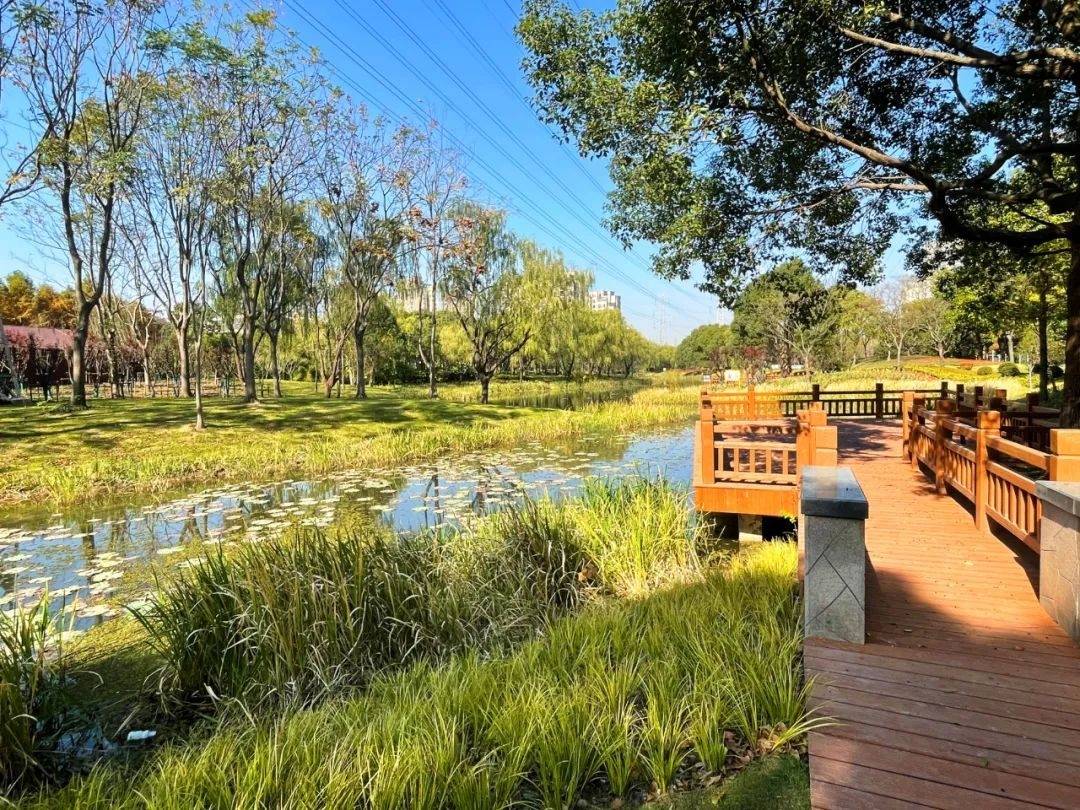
x=739 y=130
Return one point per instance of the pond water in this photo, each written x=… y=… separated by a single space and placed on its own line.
x=95 y=560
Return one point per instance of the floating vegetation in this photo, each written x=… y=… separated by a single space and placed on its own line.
x=103 y=558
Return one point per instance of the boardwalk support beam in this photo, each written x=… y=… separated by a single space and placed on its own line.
x=832 y=513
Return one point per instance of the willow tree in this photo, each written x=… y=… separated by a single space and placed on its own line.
x=741 y=128
x=482 y=284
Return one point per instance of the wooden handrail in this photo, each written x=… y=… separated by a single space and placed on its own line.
x=973 y=457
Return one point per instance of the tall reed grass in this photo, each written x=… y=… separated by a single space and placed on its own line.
x=624 y=697
x=34 y=703
x=295 y=618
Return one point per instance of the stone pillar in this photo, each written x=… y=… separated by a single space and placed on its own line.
x=1059 y=553
x=832 y=513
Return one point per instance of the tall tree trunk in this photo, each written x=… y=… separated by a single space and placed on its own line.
x=361 y=382
x=148 y=379
x=433 y=391
x=1044 y=348
x=485 y=388
x=250 y=394
x=1070 y=412
x=182 y=358
x=78 y=357
x=274 y=364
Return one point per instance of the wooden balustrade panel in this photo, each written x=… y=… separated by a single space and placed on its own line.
x=960 y=469
x=1012 y=504
x=757 y=461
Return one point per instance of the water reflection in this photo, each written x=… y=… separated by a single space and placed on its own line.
x=84 y=557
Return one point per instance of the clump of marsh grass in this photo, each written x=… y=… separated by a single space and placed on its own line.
x=626 y=697
x=295 y=618
x=34 y=705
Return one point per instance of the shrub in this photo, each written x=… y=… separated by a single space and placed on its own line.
x=1008 y=370
x=985 y=371
x=1056 y=371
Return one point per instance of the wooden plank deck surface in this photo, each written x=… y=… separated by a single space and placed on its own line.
x=966 y=694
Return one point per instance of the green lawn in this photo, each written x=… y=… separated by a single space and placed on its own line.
x=126 y=447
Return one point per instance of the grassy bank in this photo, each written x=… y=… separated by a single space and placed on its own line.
x=628 y=698
x=131 y=447
x=546 y=654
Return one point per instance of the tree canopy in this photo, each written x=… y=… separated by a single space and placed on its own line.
x=738 y=131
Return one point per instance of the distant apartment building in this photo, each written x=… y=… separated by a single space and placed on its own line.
x=605 y=299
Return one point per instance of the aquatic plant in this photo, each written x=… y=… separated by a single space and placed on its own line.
x=603 y=703
x=294 y=618
x=34 y=704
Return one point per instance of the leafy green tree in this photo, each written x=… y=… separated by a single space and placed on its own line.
x=787 y=313
x=705 y=347
x=859 y=325
x=560 y=319
x=740 y=129
x=482 y=284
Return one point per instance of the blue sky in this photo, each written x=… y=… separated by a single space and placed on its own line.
x=458 y=60
x=470 y=80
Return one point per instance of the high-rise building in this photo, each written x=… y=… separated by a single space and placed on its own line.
x=605 y=299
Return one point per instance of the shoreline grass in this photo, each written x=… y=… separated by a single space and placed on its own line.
x=629 y=698
x=539 y=655
x=64 y=459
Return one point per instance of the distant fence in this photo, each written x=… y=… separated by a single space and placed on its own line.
x=879 y=403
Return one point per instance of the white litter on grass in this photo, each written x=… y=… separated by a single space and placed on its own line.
x=141 y=735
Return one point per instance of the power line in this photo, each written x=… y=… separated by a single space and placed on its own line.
x=370 y=70
x=470 y=40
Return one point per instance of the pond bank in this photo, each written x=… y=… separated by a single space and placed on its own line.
x=674 y=688
x=145 y=447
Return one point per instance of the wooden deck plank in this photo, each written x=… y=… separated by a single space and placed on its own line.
x=967 y=694
x=1010 y=786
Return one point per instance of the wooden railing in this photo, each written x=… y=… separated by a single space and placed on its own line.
x=738 y=450
x=976 y=459
x=879 y=403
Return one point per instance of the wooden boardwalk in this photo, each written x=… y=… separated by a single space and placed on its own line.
x=967 y=695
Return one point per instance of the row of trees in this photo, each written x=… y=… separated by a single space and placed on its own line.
x=787 y=316
x=205 y=183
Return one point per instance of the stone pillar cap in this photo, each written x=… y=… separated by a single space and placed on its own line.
x=1064 y=495
x=833 y=492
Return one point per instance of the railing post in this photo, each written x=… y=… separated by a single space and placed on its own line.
x=978 y=396
x=879 y=401
x=707 y=413
x=815 y=392
x=945 y=409
x=988 y=424
x=907 y=400
x=945 y=389
x=918 y=403
x=959 y=394
x=823 y=444
x=832 y=542
x=804 y=440
x=1064 y=461
x=707 y=454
